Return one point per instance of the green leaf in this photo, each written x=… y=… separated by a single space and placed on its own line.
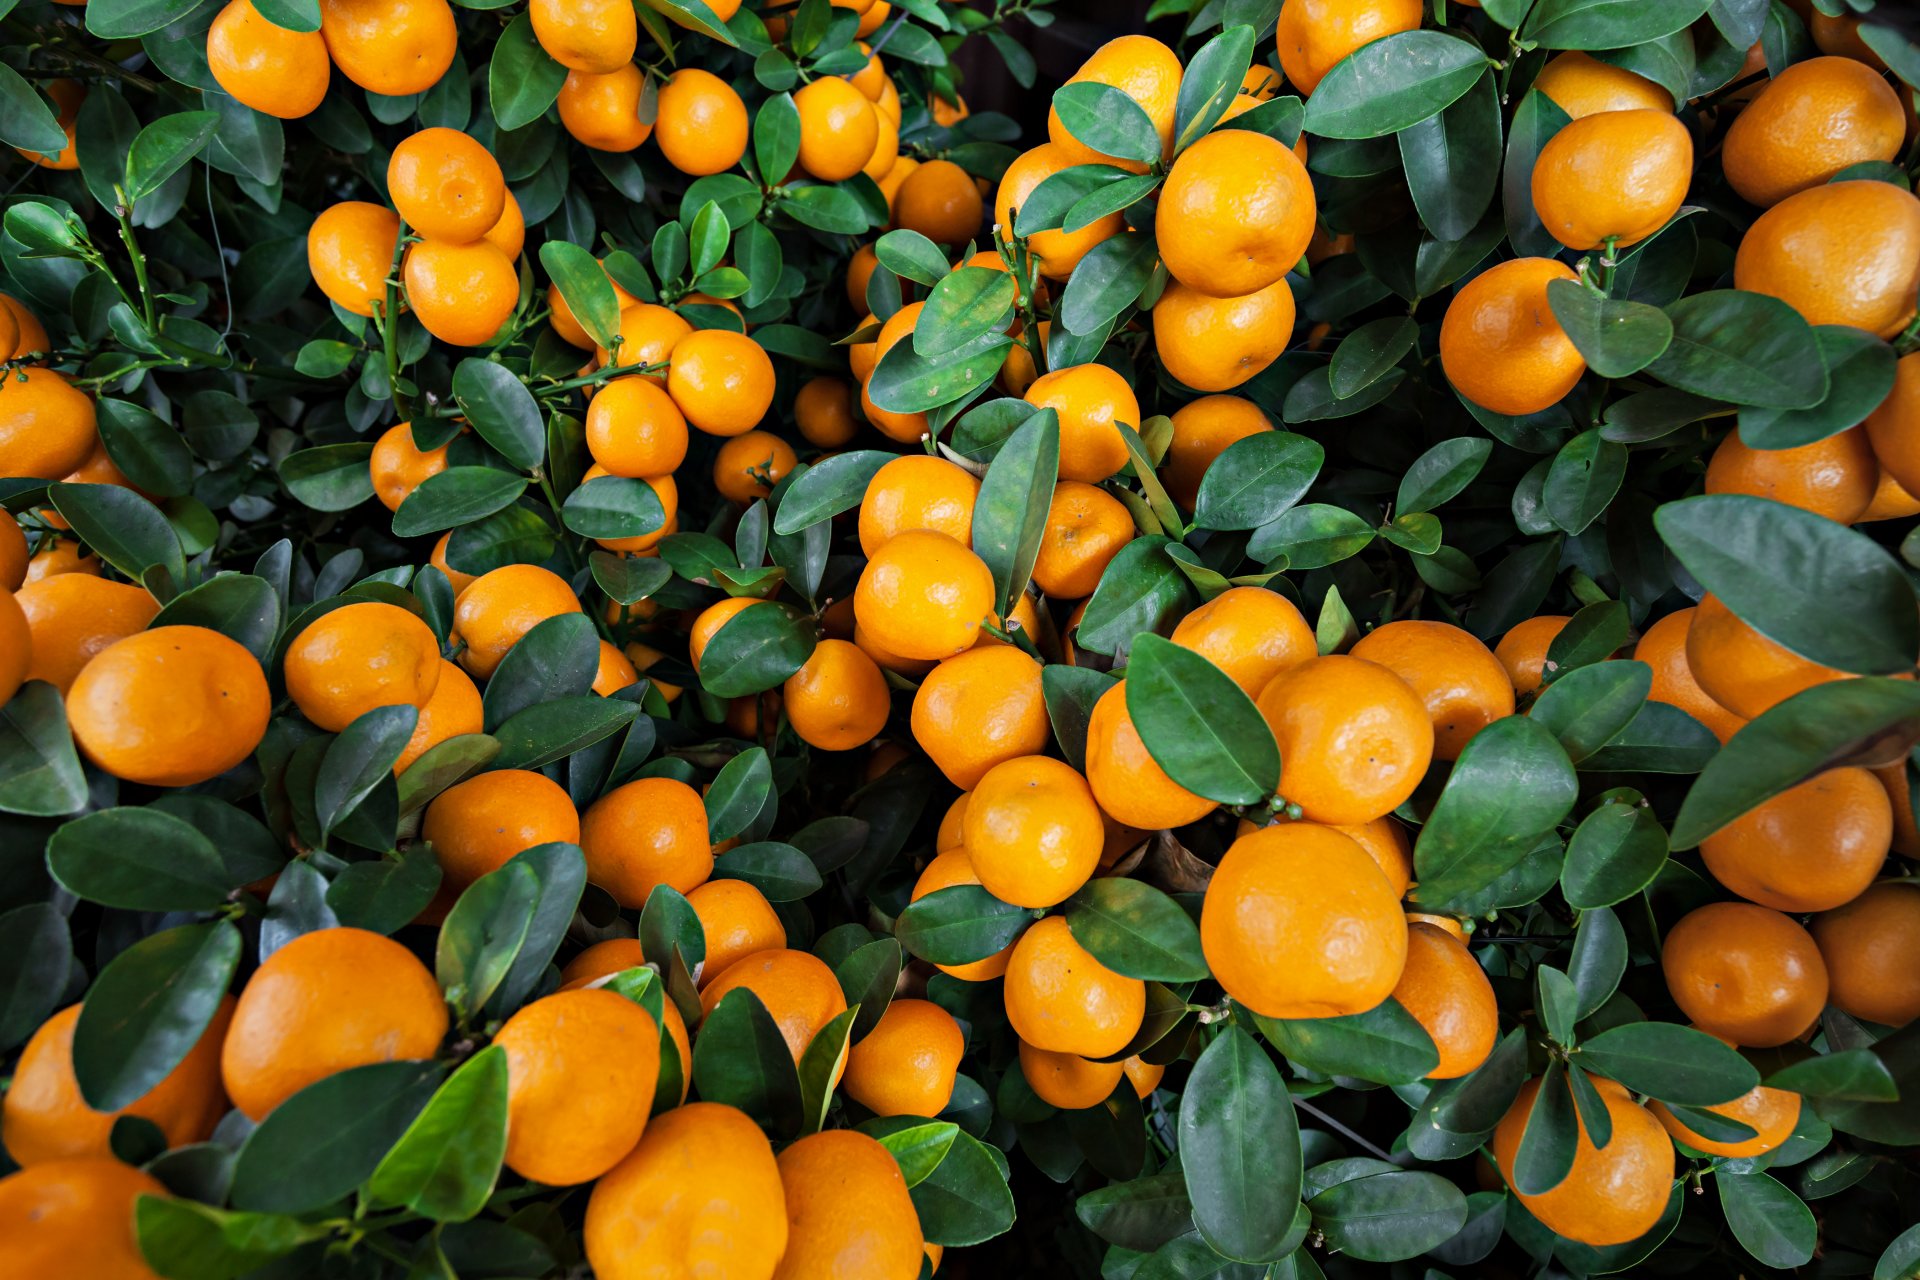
x=1136 y=930
x=1747 y=348
x=1606 y=24
x=522 y=79
x=1240 y=1149
x=920 y=1148
x=1857 y=1075
x=36 y=957
x=1860 y=369
x=1511 y=785
x=454 y=497
x=1385 y=1044
x=1599 y=959
x=140 y=859
x=501 y=408
x=1256 y=479
x=1582 y=479
x=1142 y=591
x=1199 y=725
x=40 y=772
x=128 y=532
x=240 y=606
x=1141 y=1215
x=1616 y=337
x=1210 y=82
x=1901 y=1259
x=1049 y=203
x=867 y=980
x=1827 y=592
x=1389 y=1217
x=1769 y=1221
x=1010 y=513
x=1587 y=707
x=148 y=1008
x=444 y=1165
x=324 y=1141
x=148 y=449
x=1673 y=1063
x=613 y=507
x=1441 y=473
x=1106 y=120
x=776 y=138
x=181 y=1237
x=1070 y=693
x=755 y=650
x=964 y=1201
x=828 y=487
x=331 y=477
x=388 y=893
x=555 y=659
x=707 y=238
x=25 y=119
x=1107 y=281
x=483 y=935
x=1311 y=536
x=164 y=147
x=360 y=759
x=1617 y=851
x=1389 y=84
x=959 y=925
x=738 y=794
x=967 y=305
x=907 y=382
x=740 y=1059
x=1594 y=634
x=1452 y=161
x=1368 y=353
x=1550 y=1141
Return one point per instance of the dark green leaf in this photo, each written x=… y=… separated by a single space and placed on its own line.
x=1384 y=1044
x=1511 y=785
x=141 y=859
x=148 y=1008
x=1240 y=1149
x=1135 y=930
x=1010 y=513
x=1769 y=1221
x=325 y=1140
x=755 y=650
x=1452 y=161
x=1616 y=337
x=1672 y=1063
x=1199 y=725
x=1256 y=479
x=1860 y=369
x=1392 y=83
x=959 y=925
x=1107 y=120
x=1748 y=348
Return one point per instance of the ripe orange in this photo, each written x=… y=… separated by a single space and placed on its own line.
x=635 y=429
x=581 y=1071
x=1582 y=85
x=699 y=1195
x=1059 y=251
x=1355 y=739
x=1215 y=344
x=46 y=424
x=446 y=186
x=798 y=989
x=722 y=381
x=1523 y=650
x=603 y=111
x=1202 y=431
x=509 y=235
x=398 y=466
x=476 y=826
x=1618 y=175
x=1090 y=399
x=737 y=920
x=1893 y=429
x=358 y=657
x=1463 y=685
x=1612 y=1194
x=602 y=960
x=923 y=595
x=839 y=699
x=326 y=1001
x=1129 y=785
x=74 y=1218
x=849 y=1216
x=918 y=491
x=1067 y=1080
x=350 y=253
x=1844 y=253
x=460 y=293
x=267 y=67
x=1059 y=998
x=73 y=616
x=1250 y=633
x=823 y=408
x=1448 y=994
x=1299 y=922
x=1500 y=344
x=1664 y=648
x=169 y=707
x=453 y=710
x=748 y=466
x=1808 y=123
x=1140 y=67
x=939 y=200
x=394 y=47
x=1771 y=1113
x=502 y=605
x=13 y=553
x=950 y=867
x=1086 y=528
x=45 y=1117
x=951 y=824
x=905 y=1066
x=1033 y=833
x=57 y=556
x=1143 y=1076
x=1235 y=213
x=700 y=124
x=1741 y=669
x=30 y=334
x=594 y=36
x=1745 y=973
x=651 y=831
x=1835 y=477
x=838 y=128
x=1813 y=847
x=648 y=335
x=1314 y=35
x=1871 y=948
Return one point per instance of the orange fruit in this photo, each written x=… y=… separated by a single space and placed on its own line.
x=350 y=253
x=46 y=424
x=896 y=177
x=849 y=1216
x=1744 y=973
x=634 y=429
x=502 y=605
x=614 y=672
x=1235 y=214
x=1299 y=922
x=1202 y=431
x=1355 y=739
x=860 y=268
x=1090 y=399
x=1813 y=847
x=1059 y=251
x=1612 y=1194
x=398 y=466
x=1463 y=685
x=393 y=47
x=1871 y=948
x=823 y=408
x=30 y=334
x=938 y=199
x=1059 y=998
x=594 y=36
x=1844 y=253
x=1500 y=345
x=700 y=124
x=324 y=1002
x=747 y=467
x=603 y=111
x=1835 y=477
x=1140 y=67
x=1067 y=1080
x=1314 y=35
x=169 y=707
x=1741 y=669
x=1143 y=1076
x=1771 y=1113
x=1582 y=85
x=1250 y=633
x=923 y=595
x=951 y=824
x=722 y=381
x=13 y=553
x=1618 y=175
x=73 y=616
x=918 y=491
x=602 y=960
x=74 y=1218
x=358 y=657
x=460 y=293
x=509 y=235
x=43 y=1116
x=1129 y=785
x=267 y=67
x=1086 y=528
x=699 y=1195
x=1808 y=123
x=1523 y=650
x=651 y=831
x=738 y=921
x=1386 y=842
x=1034 y=834
x=950 y=867
x=16 y=646
x=838 y=128
x=446 y=186
x=1664 y=648
x=581 y=1071
x=453 y=710
x=648 y=335
x=57 y=556
x=476 y=826
x=906 y=1065
x=839 y=699
x=1893 y=429
x=1215 y=344
x=1448 y=994
x=798 y=989
x=711 y=619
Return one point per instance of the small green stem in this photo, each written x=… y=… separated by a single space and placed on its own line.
x=598 y=376
x=123 y=213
